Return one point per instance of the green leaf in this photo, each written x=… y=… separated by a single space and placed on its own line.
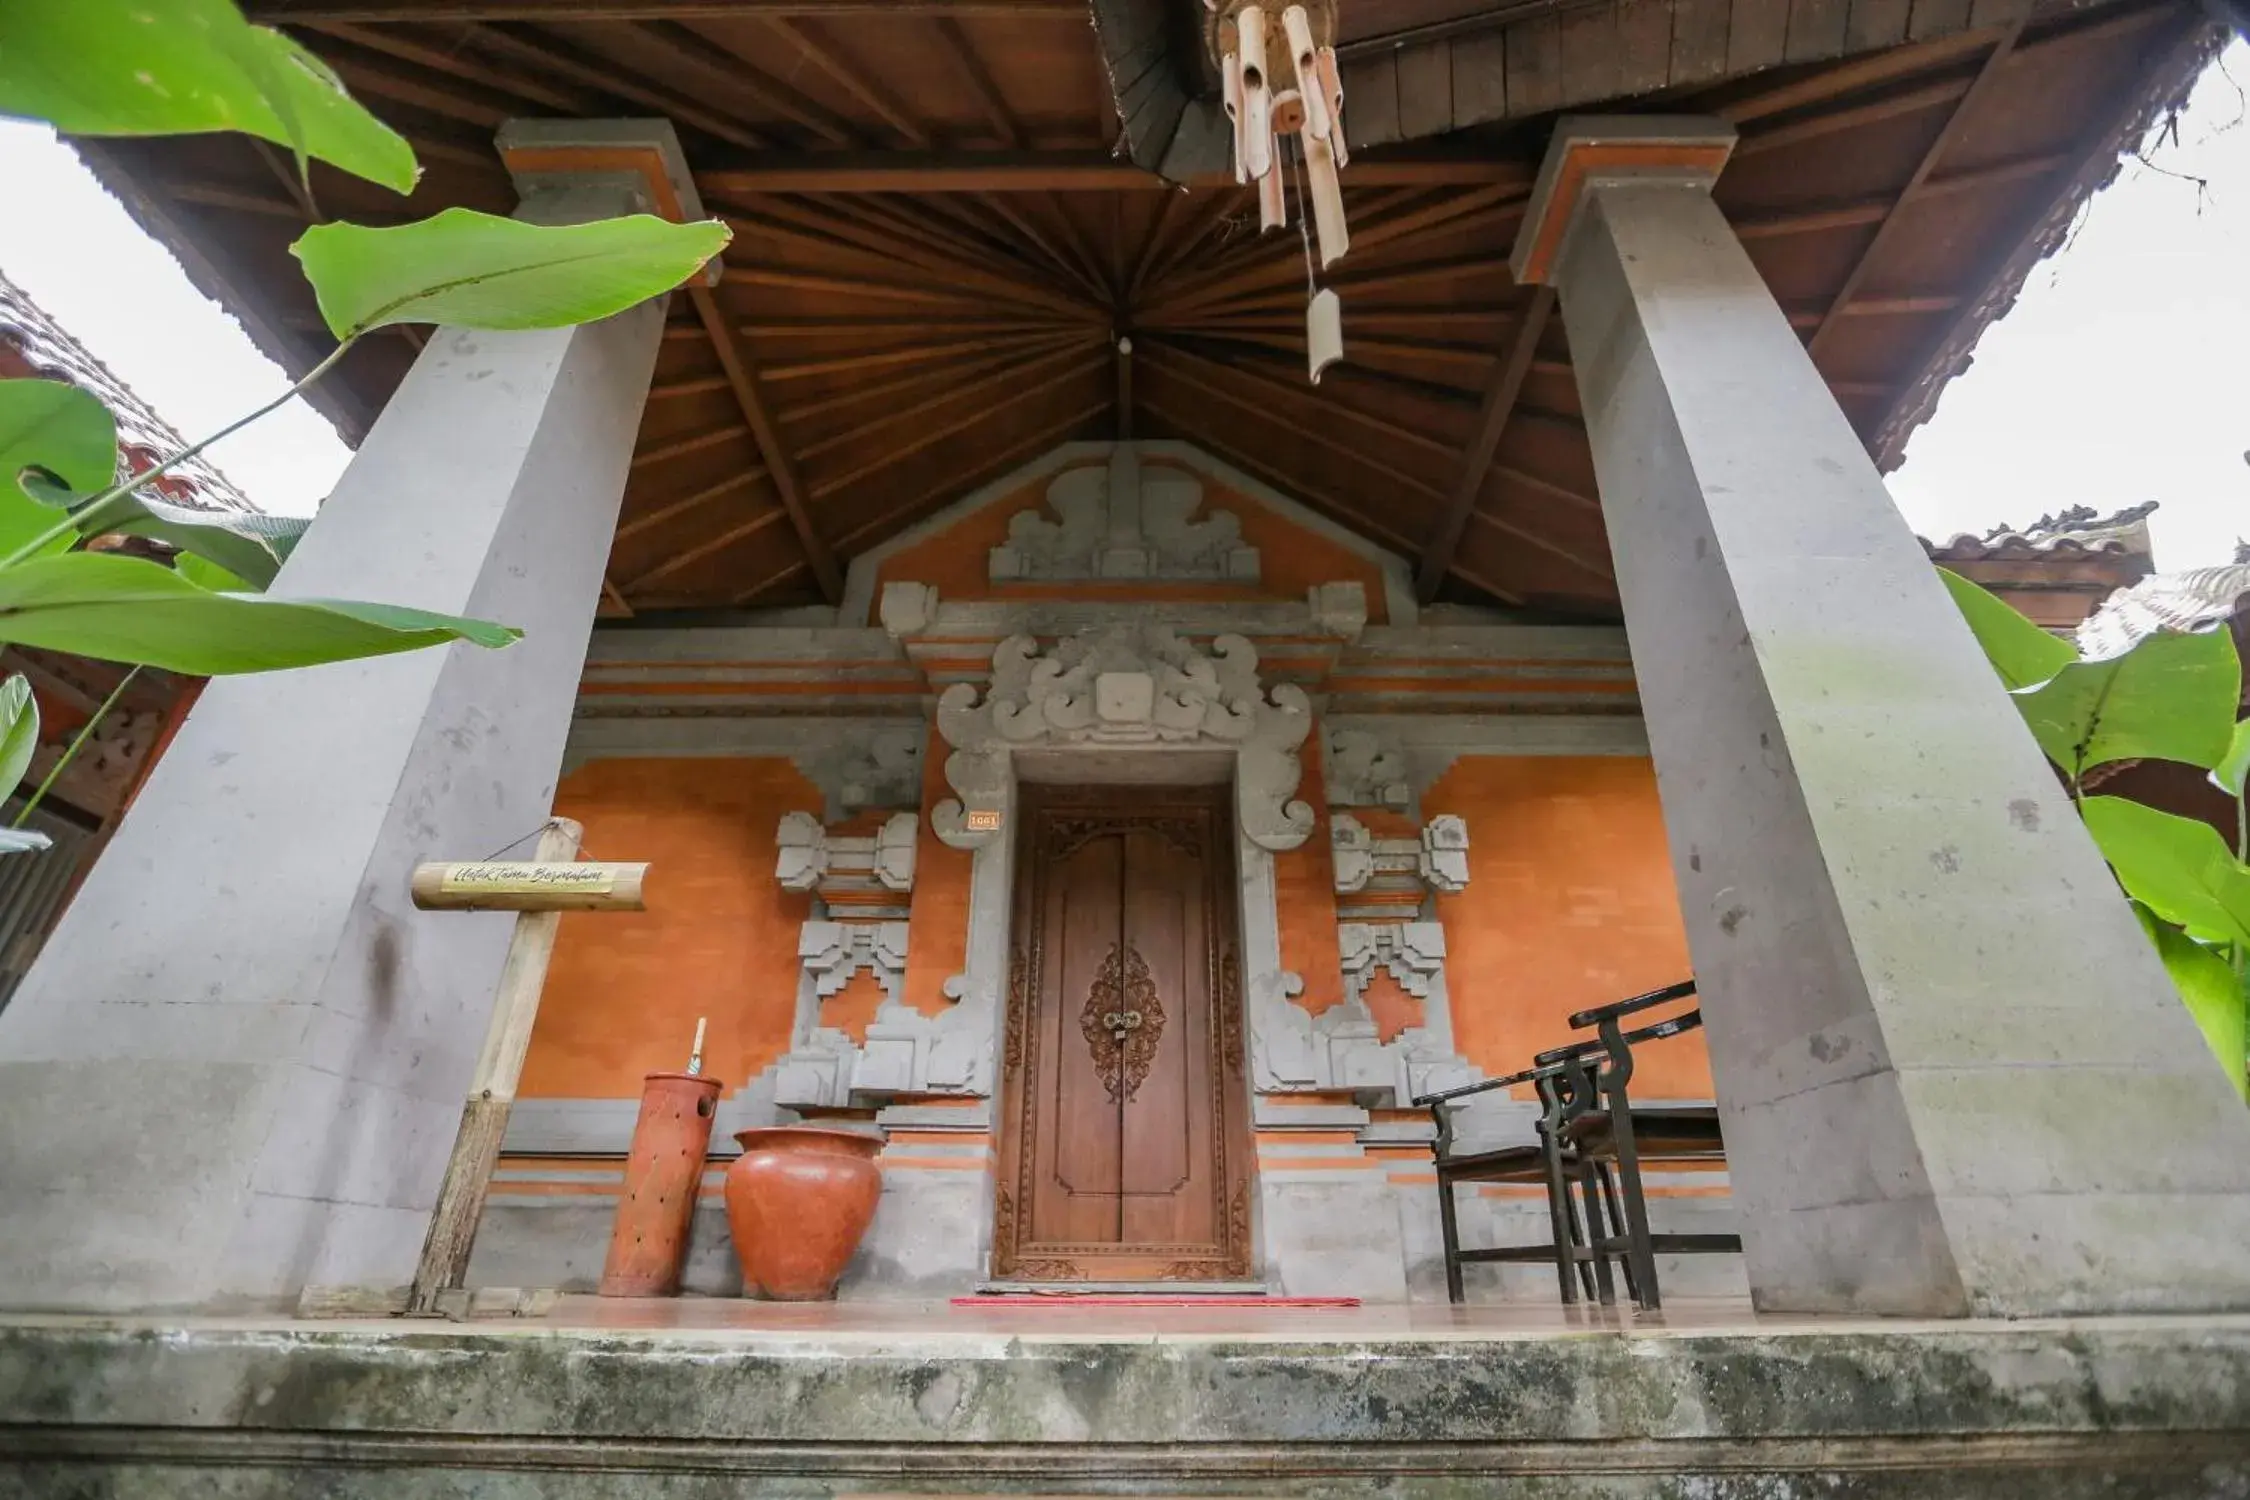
x=131 y=610
x=49 y=428
x=205 y=574
x=2234 y=767
x=2177 y=867
x=2022 y=653
x=2172 y=697
x=477 y=270
x=19 y=730
x=2212 y=992
x=249 y=546
x=185 y=67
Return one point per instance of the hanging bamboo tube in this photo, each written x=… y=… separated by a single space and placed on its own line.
x=1297 y=27
x=1257 y=93
x=1273 y=204
x=1230 y=90
x=1324 y=331
x=1332 y=90
x=1327 y=196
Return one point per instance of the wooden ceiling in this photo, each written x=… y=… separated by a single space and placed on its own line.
x=937 y=254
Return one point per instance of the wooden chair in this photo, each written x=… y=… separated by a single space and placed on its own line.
x=1612 y=1133
x=1566 y=1089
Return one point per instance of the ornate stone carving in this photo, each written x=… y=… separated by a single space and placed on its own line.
x=1363 y=771
x=846 y=868
x=1338 y=609
x=1342 y=1048
x=1122 y=521
x=1123 y=1021
x=878 y=765
x=1394 y=871
x=906 y=608
x=1125 y=687
x=1413 y=953
x=830 y=953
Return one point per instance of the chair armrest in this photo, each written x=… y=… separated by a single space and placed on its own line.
x=1601 y=1013
x=1423 y=1101
x=1669 y=1026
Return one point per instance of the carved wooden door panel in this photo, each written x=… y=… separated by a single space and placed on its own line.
x=1124 y=1140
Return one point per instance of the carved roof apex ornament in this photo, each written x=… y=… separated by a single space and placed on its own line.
x=1120 y=522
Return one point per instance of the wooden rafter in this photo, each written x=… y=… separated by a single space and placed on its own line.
x=851 y=80
x=1476 y=461
x=913 y=354
x=741 y=478
x=608 y=78
x=962 y=382
x=965 y=57
x=1024 y=171
x=742 y=377
x=730 y=73
x=1026 y=389
x=947 y=363
x=458 y=62
x=802 y=224
x=987 y=466
x=1887 y=226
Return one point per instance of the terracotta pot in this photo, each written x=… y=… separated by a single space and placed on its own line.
x=799 y=1199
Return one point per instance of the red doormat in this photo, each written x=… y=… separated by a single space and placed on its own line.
x=1061 y=1298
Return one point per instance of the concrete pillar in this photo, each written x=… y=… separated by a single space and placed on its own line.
x=237 y=1068
x=1952 y=1075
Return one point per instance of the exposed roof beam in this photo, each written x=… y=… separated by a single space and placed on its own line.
x=890 y=111
x=1492 y=420
x=1856 y=278
x=1004 y=123
x=742 y=376
x=377 y=11
x=1038 y=171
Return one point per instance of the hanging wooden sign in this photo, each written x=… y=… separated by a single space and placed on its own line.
x=528 y=885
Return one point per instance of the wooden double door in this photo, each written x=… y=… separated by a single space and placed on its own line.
x=1124 y=1139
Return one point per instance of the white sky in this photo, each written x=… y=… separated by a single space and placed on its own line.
x=2121 y=375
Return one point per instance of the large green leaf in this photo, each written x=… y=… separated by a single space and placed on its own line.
x=19 y=730
x=131 y=610
x=2177 y=867
x=2212 y=992
x=51 y=434
x=2234 y=767
x=185 y=67
x=477 y=270
x=2022 y=653
x=2172 y=697
x=249 y=545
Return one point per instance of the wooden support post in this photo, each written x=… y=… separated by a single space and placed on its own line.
x=492 y=1091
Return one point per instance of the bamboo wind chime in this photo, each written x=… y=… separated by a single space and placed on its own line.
x=1278 y=78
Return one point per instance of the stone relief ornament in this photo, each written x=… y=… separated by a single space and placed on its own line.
x=1121 y=521
x=1125 y=687
x=1365 y=772
x=842 y=867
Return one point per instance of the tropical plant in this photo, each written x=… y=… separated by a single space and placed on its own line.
x=167 y=67
x=2172 y=696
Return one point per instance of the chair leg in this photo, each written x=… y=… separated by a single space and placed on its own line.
x=1617 y=1217
x=1562 y=1222
x=1598 y=1228
x=1641 y=1254
x=1451 y=1229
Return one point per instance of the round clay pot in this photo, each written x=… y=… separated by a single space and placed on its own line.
x=799 y=1198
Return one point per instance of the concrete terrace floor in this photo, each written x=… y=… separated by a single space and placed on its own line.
x=710 y=1397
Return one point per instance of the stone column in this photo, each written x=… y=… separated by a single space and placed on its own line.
x=237 y=1068
x=1953 y=1077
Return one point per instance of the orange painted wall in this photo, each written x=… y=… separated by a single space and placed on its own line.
x=1304 y=881
x=719 y=938
x=937 y=927
x=1291 y=559
x=1570 y=904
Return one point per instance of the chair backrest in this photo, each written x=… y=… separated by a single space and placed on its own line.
x=1614 y=1040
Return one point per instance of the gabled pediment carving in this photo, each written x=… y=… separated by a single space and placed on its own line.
x=1119 y=521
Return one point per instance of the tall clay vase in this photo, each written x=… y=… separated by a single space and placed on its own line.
x=799 y=1199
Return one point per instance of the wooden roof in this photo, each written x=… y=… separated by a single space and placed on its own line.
x=941 y=234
